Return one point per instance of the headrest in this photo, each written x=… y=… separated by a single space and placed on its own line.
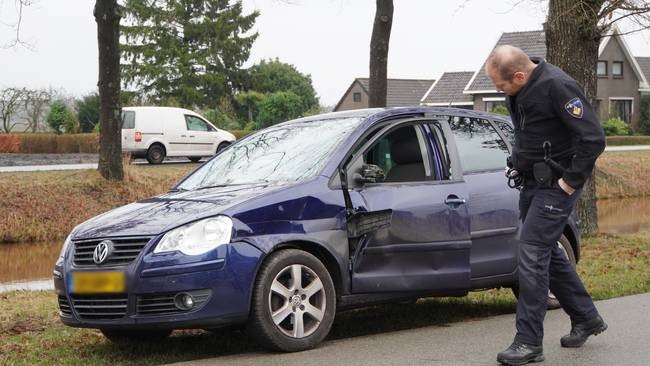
x=405 y=148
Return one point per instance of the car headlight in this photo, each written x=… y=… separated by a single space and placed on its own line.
x=198 y=237
x=65 y=246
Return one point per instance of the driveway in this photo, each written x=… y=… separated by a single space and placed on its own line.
x=477 y=343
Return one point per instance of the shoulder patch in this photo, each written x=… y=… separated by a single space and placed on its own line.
x=574 y=108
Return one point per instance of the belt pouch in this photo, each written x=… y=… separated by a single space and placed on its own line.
x=542 y=173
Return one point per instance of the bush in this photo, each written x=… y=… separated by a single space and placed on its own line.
x=221 y=119
x=500 y=109
x=616 y=127
x=47 y=143
x=88 y=112
x=9 y=143
x=644 y=120
x=278 y=107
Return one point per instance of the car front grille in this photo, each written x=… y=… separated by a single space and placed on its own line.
x=124 y=251
x=64 y=306
x=160 y=304
x=104 y=306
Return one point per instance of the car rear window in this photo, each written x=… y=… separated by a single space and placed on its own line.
x=128 y=120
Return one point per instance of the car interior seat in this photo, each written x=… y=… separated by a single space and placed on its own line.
x=406 y=154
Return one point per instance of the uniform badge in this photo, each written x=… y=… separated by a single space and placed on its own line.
x=574 y=108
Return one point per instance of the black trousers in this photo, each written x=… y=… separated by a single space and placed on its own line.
x=542 y=265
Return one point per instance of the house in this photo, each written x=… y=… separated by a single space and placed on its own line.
x=621 y=78
x=448 y=91
x=400 y=92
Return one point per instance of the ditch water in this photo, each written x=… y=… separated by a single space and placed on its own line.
x=29 y=266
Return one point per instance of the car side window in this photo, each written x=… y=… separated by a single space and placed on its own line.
x=507 y=130
x=195 y=124
x=480 y=147
x=128 y=120
x=402 y=154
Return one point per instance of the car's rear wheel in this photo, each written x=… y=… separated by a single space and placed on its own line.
x=294 y=302
x=194 y=159
x=222 y=146
x=134 y=336
x=156 y=154
x=565 y=246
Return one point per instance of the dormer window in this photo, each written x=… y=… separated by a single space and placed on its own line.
x=356 y=97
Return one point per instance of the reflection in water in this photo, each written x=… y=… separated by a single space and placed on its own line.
x=629 y=215
x=29 y=266
x=25 y=262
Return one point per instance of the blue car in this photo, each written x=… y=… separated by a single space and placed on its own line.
x=294 y=222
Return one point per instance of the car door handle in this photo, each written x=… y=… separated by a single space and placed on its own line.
x=191 y=135
x=454 y=201
x=183 y=135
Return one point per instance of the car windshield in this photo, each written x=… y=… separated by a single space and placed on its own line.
x=286 y=153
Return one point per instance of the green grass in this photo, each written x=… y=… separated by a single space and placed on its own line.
x=30 y=332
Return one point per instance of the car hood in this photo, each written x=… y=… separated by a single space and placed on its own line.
x=158 y=214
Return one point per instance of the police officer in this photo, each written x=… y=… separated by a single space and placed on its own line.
x=558 y=138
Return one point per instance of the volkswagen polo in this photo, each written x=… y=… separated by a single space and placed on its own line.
x=294 y=222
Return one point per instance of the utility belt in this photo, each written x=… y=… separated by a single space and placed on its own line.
x=545 y=173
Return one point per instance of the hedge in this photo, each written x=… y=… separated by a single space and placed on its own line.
x=627 y=140
x=49 y=143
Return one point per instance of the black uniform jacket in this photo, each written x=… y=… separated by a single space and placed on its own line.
x=553 y=107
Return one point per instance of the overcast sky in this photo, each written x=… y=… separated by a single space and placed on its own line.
x=328 y=39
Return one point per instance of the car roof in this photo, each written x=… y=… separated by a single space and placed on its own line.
x=375 y=114
x=144 y=108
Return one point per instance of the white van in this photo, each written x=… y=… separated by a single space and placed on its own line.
x=156 y=132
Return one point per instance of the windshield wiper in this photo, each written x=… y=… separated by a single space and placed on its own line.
x=261 y=181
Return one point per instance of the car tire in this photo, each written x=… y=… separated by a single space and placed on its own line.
x=222 y=146
x=156 y=154
x=286 y=315
x=565 y=245
x=194 y=159
x=135 y=336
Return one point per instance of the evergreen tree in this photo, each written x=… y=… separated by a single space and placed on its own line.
x=188 y=50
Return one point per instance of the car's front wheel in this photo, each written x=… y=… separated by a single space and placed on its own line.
x=294 y=302
x=134 y=336
x=565 y=246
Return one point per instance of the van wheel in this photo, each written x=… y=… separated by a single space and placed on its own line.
x=135 y=336
x=294 y=302
x=566 y=248
x=194 y=159
x=156 y=154
x=222 y=146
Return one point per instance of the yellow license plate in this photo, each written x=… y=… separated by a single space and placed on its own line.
x=96 y=282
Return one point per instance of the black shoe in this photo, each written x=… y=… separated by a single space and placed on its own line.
x=520 y=354
x=581 y=331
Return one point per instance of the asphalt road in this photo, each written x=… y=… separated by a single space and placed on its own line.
x=626 y=342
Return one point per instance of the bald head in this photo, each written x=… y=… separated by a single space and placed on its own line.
x=509 y=68
x=507 y=60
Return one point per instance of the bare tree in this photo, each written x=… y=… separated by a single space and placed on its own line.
x=35 y=104
x=107 y=15
x=574 y=30
x=379 y=53
x=11 y=99
x=17 y=40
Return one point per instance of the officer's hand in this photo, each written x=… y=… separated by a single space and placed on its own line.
x=565 y=187
x=510 y=172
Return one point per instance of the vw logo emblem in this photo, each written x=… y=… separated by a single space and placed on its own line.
x=102 y=251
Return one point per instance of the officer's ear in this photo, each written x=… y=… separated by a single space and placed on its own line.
x=519 y=76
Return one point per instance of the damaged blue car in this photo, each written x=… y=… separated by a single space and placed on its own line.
x=294 y=222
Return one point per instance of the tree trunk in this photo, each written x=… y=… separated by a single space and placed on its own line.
x=572 y=40
x=379 y=53
x=107 y=16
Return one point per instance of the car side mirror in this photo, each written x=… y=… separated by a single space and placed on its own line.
x=370 y=173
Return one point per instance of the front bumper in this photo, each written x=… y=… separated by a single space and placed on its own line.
x=223 y=280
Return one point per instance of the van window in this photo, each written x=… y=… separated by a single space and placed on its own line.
x=195 y=123
x=128 y=120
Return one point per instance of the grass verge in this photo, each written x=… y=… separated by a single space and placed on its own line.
x=623 y=174
x=30 y=332
x=45 y=206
